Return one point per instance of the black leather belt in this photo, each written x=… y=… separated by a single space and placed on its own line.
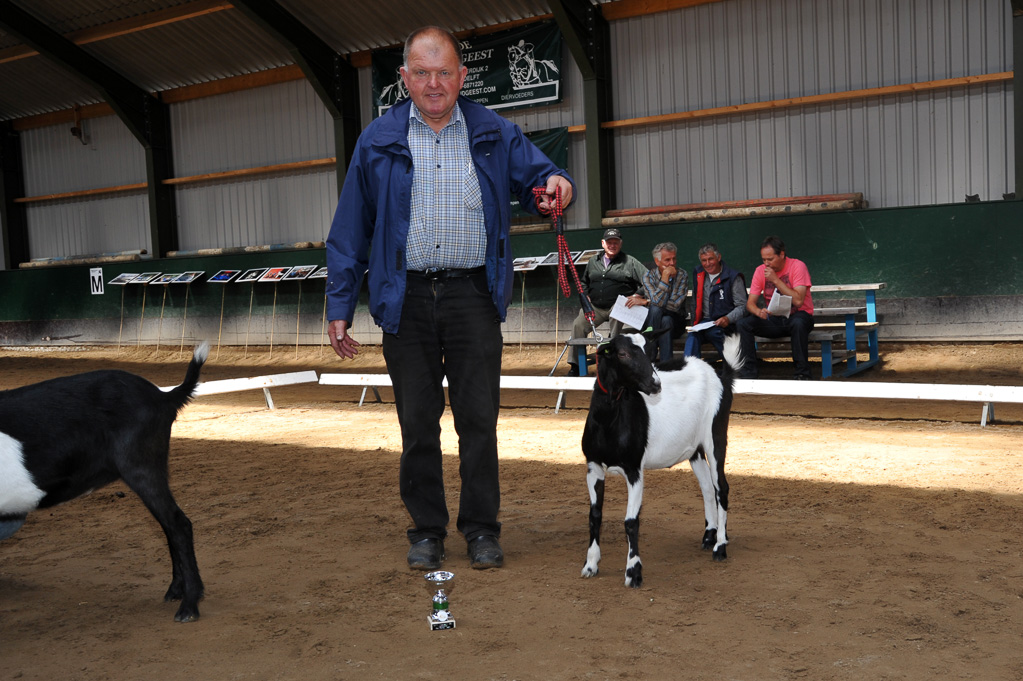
x=440 y=274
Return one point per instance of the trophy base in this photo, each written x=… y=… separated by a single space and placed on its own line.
x=439 y=625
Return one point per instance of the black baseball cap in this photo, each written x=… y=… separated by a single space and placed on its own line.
x=613 y=233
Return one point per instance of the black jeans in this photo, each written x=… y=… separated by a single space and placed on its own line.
x=798 y=325
x=449 y=327
x=660 y=317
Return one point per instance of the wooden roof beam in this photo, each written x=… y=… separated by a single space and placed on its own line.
x=113 y=29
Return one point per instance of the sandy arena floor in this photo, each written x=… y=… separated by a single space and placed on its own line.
x=869 y=540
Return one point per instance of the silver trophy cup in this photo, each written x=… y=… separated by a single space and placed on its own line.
x=440 y=584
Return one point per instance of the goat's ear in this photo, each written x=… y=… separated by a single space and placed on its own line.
x=650 y=334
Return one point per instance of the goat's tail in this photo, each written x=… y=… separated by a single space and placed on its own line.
x=734 y=361
x=181 y=395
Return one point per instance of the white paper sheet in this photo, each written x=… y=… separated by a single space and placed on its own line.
x=780 y=305
x=630 y=316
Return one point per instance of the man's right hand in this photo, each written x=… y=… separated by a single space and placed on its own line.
x=344 y=345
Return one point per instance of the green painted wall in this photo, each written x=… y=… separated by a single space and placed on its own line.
x=63 y=292
x=951 y=250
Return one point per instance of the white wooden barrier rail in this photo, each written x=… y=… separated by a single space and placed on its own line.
x=230 y=385
x=559 y=383
x=988 y=395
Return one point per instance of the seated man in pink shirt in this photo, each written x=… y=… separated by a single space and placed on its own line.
x=778 y=276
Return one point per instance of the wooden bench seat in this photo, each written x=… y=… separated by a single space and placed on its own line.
x=838 y=330
x=831 y=342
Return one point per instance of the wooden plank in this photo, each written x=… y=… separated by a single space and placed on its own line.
x=248 y=172
x=626 y=9
x=248 y=81
x=718 y=213
x=62 y=117
x=113 y=29
x=750 y=203
x=812 y=100
x=190 y=179
x=85 y=193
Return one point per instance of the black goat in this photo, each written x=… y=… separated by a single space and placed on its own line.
x=642 y=418
x=66 y=437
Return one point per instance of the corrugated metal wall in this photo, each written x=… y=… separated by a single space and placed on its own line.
x=55 y=163
x=281 y=123
x=904 y=150
x=901 y=150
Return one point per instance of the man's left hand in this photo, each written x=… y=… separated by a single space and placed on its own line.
x=636 y=299
x=553 y=183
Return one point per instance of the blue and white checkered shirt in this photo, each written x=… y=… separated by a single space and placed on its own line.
x=446 y=229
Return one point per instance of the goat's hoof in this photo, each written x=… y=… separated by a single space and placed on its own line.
x=186 y=614
x=589 y=571
x=634 y=577
x=720 y=554
x=710 y=537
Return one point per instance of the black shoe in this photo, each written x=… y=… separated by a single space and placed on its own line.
x=485 y=552
x=573 y=370
x=802 y=377
x=746 y=374
x=426 y=554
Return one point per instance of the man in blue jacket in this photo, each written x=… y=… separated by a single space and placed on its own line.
x=425 y=208
x=719 y=298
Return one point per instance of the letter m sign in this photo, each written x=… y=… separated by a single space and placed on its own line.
x=96 y=281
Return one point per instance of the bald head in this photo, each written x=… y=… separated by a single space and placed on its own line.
x=434 y=39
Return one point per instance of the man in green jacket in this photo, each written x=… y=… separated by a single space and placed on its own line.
x=607 y=276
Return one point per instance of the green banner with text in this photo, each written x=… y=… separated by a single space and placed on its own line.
x=516 y=68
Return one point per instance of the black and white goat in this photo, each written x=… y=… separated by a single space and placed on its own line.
x=645 y=418
x=63 y=438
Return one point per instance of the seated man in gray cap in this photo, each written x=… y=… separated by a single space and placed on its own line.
x=607 y=276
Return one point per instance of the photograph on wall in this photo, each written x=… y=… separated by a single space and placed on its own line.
x=319 y=274
x=552 y=258
x=251 y=275
x=526 y=264
x=224 y=276
x=275 y=274
x=165 y=278
x=300 y=272
x=586 y=256
x=188 y=277
x=123 y=278
x=145 y=277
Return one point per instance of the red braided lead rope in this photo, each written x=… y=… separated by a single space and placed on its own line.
x=565 y=265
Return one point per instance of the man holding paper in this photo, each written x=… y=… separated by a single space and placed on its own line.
x=784 y=284
x=719 y=294
x=664 y=295
x=611 y=274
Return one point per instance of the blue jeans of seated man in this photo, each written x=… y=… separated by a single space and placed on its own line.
x=798 y=325
x=662 y=318
x=448 y=328
x=715 y=335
